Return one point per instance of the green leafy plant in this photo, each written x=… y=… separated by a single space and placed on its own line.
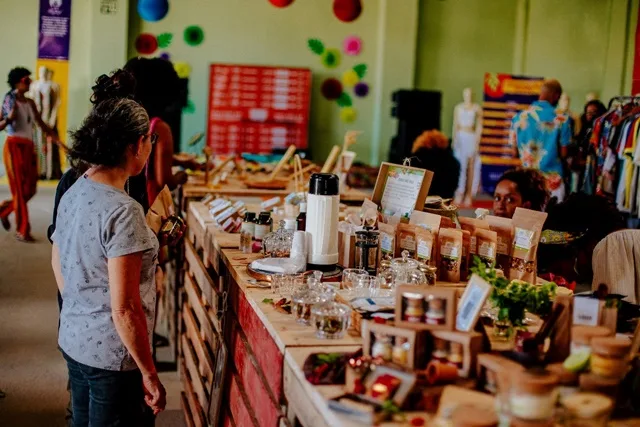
x=267 y=301
x=328 y=358
x=513 y=298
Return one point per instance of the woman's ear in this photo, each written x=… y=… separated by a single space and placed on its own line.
x=137 y=147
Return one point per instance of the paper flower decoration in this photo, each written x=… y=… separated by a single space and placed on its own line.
x=331 y=89
x=361 y=69
x=316 y=46
x=153 y=10
x=348 y=114
x=344 y=100
x=165 y=56
x=350 y=78
x=193 y=35
x=190 y=108
x=281 y=3
x=361 y=90
x=164 y=40
x=347 y=10
x=146 y=44
x=331 y=58
x=352 y=45
x=182 y=69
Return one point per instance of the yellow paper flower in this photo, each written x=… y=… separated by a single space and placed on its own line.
x=182 y=69
x=348 y=114
x=350 y=78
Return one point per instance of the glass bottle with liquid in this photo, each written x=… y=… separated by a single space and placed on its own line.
x=247 y=232
x=302 y=217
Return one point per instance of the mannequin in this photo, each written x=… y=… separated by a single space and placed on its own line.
x=46 y=94
x=467 y=129
x=564 y=107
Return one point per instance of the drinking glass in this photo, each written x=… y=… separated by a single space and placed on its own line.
x=350 y=276
x=365 y=286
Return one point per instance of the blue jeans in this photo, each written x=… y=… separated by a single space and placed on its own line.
x=102 y=398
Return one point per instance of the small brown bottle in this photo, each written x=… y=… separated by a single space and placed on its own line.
x=302 y=217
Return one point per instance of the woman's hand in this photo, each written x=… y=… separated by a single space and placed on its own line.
x=155 y=395
x=159 y=281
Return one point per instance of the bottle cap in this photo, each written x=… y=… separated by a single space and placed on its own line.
x=303 y=207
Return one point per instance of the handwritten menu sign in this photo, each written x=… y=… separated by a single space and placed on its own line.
x=400 y=190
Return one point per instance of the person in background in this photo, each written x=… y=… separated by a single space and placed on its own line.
x=18 y=115
x=158 y=90
x=104 y=259
x=540 y=137
x=433 y=152
x=520 y=188
x=572 y=231
x=579 y=150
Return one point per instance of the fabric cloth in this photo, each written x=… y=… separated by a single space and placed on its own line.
x=21 y=166
x=96 y=222
x=101 y=398
x=540 y=132
x=22 y=125
x=615 y=263
x=152 y=186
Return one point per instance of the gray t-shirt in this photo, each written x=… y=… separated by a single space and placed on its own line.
x=96 y=222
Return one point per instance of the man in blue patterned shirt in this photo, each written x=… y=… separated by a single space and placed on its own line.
x=540 y=136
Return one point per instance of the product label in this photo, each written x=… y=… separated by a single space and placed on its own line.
x=523 y=239
x=386 y=243
x=408 y=243
x=503 y=245
x=487 y=250
x=472 y=245
x=248 y=227
x=261 y=231
x=424 y=250
x=450 y=250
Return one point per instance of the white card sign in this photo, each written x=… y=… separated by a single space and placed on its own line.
x=471 y=303
x=586 y=311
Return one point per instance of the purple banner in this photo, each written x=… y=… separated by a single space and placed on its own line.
x=54 y=29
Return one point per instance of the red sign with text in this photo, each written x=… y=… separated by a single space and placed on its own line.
x=257 y=109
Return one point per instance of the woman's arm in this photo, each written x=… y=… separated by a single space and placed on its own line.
x=163 y=159
x=55 y=264
x=36 y=114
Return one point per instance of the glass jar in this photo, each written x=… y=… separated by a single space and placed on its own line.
x=401 y=349
x=403 y=271
x=435 y=315
x=278 y=244
x=350 y=277
x=331 y=319
x=587 y=410
x=366 y=252
x=533 y=395
x=414 y=307
x=247 y=231
x=172 y=230
x=263 y=226
x=382 y=347
x=302 y=302
x=455 y=355
x=609 y=357
x=430 y=273
x=582 y=335
x=440 y=350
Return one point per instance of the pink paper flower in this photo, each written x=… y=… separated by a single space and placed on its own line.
x=352 y=45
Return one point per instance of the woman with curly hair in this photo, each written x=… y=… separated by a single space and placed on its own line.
x=520 y=188
x=433 y=151
x=104 y=258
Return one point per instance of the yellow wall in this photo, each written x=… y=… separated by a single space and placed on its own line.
x=586 y=44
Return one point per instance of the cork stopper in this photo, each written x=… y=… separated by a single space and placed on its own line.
x=611 y=346
x=535 y=381
x=583 y=335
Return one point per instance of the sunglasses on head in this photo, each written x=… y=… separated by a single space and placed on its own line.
x=153 y=138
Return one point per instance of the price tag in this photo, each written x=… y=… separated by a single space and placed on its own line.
x=586 y=311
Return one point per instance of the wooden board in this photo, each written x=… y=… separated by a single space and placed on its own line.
x=184 y=403
x=189 y=357
x=204 y=359
x=204 y=320
x=195 y=410
x=238 y=408
x=200 y=275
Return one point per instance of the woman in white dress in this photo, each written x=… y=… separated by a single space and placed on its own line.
x=467 y=129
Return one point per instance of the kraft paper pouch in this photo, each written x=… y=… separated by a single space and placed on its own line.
x=368 y=213
x=504 y=230
x=431 y=222
x=406 y=240
x=466 y=254
x=471 y=225
x=527 y=228
x=162 y=207
x=386 y=242
x=347 y=244
x=425 y=246
x=449 y=254
x=487 y=242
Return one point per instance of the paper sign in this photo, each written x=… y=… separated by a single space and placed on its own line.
x=401 y=190
x=586 y=311
x=472 y=301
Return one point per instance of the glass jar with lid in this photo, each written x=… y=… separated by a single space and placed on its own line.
x=403 y=271
x=302 y=301
x=587 y=410
x=533 y=395
x=610 y=357
x=382 y=347
x=278 y=243
x=331 y=319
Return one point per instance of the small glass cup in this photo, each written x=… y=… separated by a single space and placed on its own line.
x=284 y=285
x=366 y=286
x=330 y=319
x=350 y=276
x=302 y=301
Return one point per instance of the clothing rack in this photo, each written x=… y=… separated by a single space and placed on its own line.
x=623 y=99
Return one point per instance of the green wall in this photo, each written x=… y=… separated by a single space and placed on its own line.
x=586 y=44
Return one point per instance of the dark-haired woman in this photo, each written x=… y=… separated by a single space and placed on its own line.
x=19 y=115
x=520 y=188
x=104 y=258
x=158 y=91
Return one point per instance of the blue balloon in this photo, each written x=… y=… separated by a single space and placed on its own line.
x=153 y=10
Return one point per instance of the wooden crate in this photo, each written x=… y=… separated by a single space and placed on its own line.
x=208 y=286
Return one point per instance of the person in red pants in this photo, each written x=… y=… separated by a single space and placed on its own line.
x=19 y=115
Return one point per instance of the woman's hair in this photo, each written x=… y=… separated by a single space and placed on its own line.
x=595 y=216
x=531 y=184
x=430 y=139
x=601 y=109
x=16 y=75
x=157 y=84
x=115 y=122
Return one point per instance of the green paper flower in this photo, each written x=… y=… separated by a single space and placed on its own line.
x=344 y=100
x=193 y=35
x=361 y=70
x=190 y=108
x=331 y=58
x=164 y=40
x=316 y=46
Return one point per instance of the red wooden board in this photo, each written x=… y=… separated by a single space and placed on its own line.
x=266 y=352
x=261 y=401
x=239 y=410
x=257 y=108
